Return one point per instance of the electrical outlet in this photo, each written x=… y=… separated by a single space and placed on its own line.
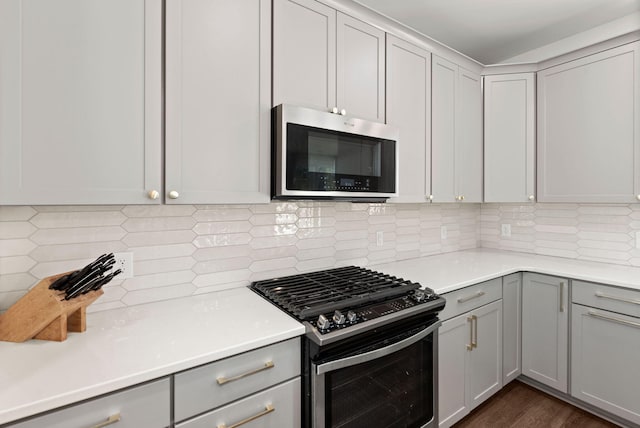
x=443 y=232
x=506 y=230
x=124 y=262
x=380 y=238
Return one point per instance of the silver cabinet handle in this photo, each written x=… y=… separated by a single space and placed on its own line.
x=470 y=345
x=473 y=332
x=222 y=380
x=112 y=420
x=562 y=297
x=267 y=409
x=473 y=296
x=613 y=319
x=619 y=299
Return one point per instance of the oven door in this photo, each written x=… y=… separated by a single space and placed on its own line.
x=390 y=382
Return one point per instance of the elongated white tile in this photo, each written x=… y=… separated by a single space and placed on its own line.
x=315 y=222
x=150 y=211
x=605 y=245
x=268 y=274
x=304 y=244
x=273 y=241
x=315 y=264
x=76 y=208
x=604 y=254
x=349 y=254
x=18 y=213
x=273 y=230
x=350 y=235
x=72 y=235
x=146 y=267
x=351 y=225
x=224 y=252
x=16 y=264
x=51 y=253
x=157 y=294
x=316 y=232
x=273 y=219
x=16 y=282
x=158 y=280
x=315 y=253
x=15 y=247
x=222 y=277
x=379 y=256
x=274 y=207
x=78 y=219
x=222 y=240
x=9 y=298
x=556 y=229
x=352 y=244
x=167 y=237
x=152 y=224
x=273 y=264
x=16 y=229
x=162 y=251
x=222 y=214
x=605 y=210
x=318 y=211
x=341 y=216
x=232 y=263
x=273 y=252
x=541 y=243
x=218 y=227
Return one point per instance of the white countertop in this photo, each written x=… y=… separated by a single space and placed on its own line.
x=123 y=347
x=451 y=271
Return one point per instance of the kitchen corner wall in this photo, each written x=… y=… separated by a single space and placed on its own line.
x=185 y=250
x=597 y=232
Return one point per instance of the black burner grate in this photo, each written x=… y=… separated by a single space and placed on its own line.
x=311 y=294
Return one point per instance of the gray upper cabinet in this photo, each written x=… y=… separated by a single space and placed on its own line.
x=80 y=101
x=589 y=128
x=324 y=59
x=509 y=138
x=218 y=101
x=409 y=109
x=456 y=154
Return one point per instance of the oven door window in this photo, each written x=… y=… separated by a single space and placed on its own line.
x=395 y=390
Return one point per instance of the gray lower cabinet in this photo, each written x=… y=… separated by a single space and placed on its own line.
x=217 y=384
x=605 y=348
x=470 y=354
x=511 y=327
x=276 y=407
x=545 y=329
x=147 y=405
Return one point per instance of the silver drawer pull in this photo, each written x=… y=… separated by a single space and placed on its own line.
x=222 y=380
x=619 y=299
x=473 y=296
x=614 y=319
x=267 y=409
x=112 y=420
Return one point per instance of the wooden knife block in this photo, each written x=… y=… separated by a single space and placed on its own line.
x=44 y=314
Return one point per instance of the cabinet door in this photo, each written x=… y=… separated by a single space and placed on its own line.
x=509 y=138
x=80 y=101
x=304 y=54
x=360 y=66
x=454 y=340
x=484 y=371
x=409 y=109
x=604 y=359
x=443 y=126
x=511 y=327
x=468 y=137
x=544 y=329
x=218 y=101
x=589 y=128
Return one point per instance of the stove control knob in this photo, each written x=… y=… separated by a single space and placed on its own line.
x=418 y=296
x=323 y=322
x=339 y=318
x=352 y=317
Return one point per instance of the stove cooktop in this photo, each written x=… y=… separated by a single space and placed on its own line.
x=341 y=302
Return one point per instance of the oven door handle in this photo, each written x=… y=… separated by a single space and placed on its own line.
x=377 y=353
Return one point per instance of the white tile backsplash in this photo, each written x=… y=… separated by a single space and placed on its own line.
x=184 y=250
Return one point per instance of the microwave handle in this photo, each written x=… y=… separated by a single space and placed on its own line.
x=376 y=353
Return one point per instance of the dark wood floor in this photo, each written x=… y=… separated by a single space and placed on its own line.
x=521 y=406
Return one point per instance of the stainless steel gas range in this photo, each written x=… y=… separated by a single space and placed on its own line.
x=370 y=349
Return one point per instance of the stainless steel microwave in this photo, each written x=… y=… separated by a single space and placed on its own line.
x=322 y=155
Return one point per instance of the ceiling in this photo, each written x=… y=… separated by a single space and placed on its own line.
x=503 y=31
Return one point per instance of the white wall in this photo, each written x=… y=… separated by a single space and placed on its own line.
x=185 y=250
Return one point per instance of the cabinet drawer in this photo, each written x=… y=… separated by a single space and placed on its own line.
x=204 y=388
x=606 y=297
x=278 y=407
x=468 y=298
x=143 y=406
